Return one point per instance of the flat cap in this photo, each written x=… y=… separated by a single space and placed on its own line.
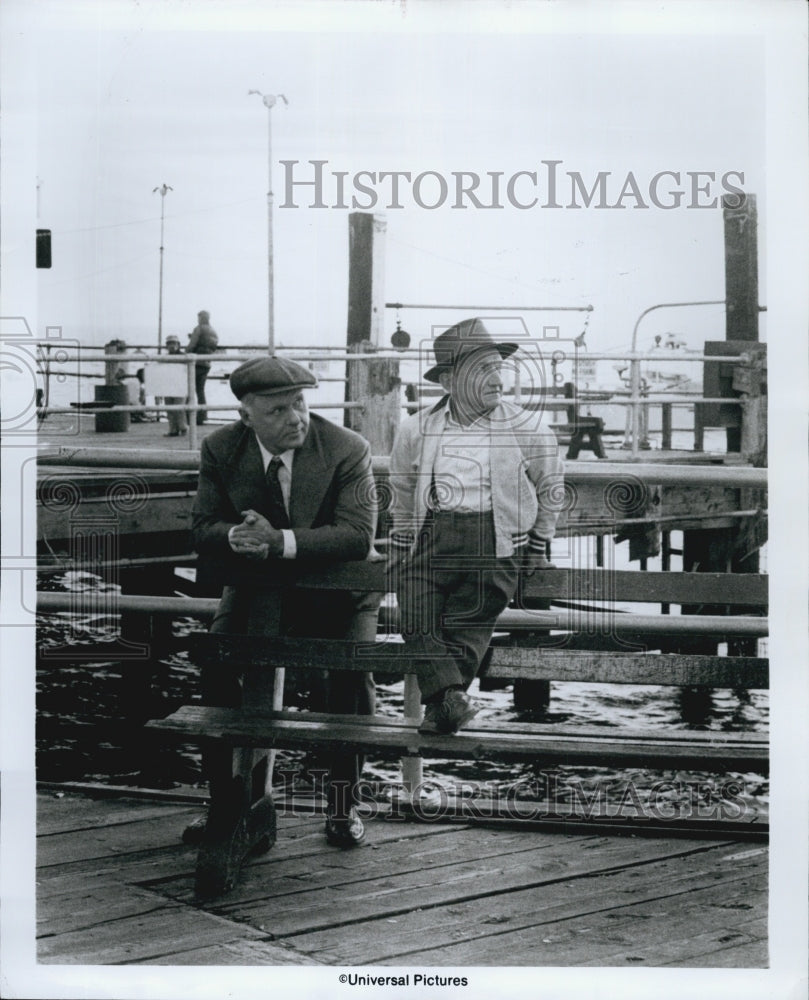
x=269 y=375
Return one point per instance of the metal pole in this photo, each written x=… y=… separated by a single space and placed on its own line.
x=269 y=103
x=270 y=274
x=635 y=369
x=191 y=390
x=163 y=189
x=635 y=387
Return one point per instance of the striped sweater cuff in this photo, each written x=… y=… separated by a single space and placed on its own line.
x=536 y=543
x=401 y=539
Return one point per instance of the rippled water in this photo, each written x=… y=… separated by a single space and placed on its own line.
x=90 y=716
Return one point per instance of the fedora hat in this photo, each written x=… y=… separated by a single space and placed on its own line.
x=461 y=340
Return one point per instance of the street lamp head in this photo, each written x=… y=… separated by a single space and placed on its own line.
x=269 y=100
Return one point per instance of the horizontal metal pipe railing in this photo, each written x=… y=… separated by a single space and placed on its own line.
x=589 y=621
x=575 y=472
x=387 y=353
x=92 y=409
x=636 y=398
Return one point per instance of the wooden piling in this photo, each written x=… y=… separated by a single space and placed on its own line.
x=750 y=379
x=366 y=278
x=114 y=370
x=374 y=383
x=741 y=266
x=734 y=549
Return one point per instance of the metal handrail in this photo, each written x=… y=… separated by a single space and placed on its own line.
x=753 y=626
x=576 y=472
x=634 y=399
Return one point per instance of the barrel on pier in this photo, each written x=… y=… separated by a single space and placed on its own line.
x=112 y=395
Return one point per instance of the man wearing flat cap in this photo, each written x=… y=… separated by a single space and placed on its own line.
x=475 y=482
x=282 y=492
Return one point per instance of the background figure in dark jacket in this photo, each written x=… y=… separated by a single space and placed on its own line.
x=280 y=494
x=203 y=339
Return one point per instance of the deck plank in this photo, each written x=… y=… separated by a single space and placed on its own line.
x=58 y=812
x=236 y=953
x=161 y=932
x=291 y=868
x=97 y=842
x=751 y=953
x=57 y=915
x=641 y=934
x=450 y=893
x=348 y=895
x=437 y=927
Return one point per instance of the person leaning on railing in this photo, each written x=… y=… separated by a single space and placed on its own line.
x=282 y=492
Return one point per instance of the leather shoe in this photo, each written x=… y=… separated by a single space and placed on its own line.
x=194 y=833
x=448 y=715
x=345 y=832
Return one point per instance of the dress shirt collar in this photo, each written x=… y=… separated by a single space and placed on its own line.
x=267 y=456
x=450 y=419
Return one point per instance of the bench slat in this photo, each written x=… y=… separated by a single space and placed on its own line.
x=701 y=750
x=652 y=587
x=679 y=669
x=515 y=727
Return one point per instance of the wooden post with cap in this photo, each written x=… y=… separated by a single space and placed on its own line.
x=375 y=383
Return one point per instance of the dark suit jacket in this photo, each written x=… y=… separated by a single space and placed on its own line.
x=332 y=509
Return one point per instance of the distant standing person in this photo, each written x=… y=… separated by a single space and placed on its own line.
x=203 y=340
x=178 y=424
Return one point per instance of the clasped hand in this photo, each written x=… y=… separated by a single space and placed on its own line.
x=255 y=537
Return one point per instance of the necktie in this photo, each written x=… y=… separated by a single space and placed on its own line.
x=278 y=512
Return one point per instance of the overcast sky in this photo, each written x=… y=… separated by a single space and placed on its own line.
x=127 y=103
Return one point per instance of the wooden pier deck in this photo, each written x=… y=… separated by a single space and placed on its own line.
x=68 y=430
x=115 y=887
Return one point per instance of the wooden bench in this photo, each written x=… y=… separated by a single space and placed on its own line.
x=243 y=820
x=579 y=432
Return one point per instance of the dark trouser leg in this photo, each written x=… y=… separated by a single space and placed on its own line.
x=236 y=613
x=451 y=594
x=241 y=817
x=317 y=614
x=200 y=375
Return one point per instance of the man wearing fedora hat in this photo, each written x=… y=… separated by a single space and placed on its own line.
x=476 y=485
x=282 y=492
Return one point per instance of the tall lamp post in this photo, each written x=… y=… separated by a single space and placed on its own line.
x=163 y=189
x=270 y=101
